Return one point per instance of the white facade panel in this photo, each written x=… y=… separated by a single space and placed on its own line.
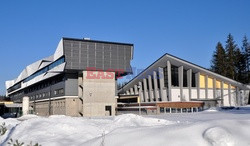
x=193 y=93
x=226 y=98
x=185 y=94
x=202 y=93
x=233 y=98
x=175 y=94
x=210 y=94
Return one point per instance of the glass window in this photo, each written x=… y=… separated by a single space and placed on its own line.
x=185 y=82
x=174 y=76
x=193 y=80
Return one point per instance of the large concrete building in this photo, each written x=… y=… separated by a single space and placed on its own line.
x=173 y=83
x=78 y=80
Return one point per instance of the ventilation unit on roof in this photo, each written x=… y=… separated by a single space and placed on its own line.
x=86 y=38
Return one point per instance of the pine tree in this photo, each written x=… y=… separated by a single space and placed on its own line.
x=218 y=60
x=230 y=57
x=246 y=52
x=240 y=65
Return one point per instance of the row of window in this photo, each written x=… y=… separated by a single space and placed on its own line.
x=45 y=84
x=47 y=94
x=175 y=77
x=45 y=69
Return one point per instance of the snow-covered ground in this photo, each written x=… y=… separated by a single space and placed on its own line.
x=212 y=127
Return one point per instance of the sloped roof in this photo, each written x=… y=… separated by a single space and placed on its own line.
x=34 y=67
x=162 y=62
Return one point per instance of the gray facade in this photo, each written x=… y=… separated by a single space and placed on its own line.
x=55 y=84
x=84 y=54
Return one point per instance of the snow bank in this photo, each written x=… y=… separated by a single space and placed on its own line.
x=225 y=133
x=218 y=136
x=204 y=128
x=128 y=120
x=26 y=117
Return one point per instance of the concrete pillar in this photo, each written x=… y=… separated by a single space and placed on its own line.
x=180 y=76
x=206 y=86
x=80 y=85
x=25 y=105
x=155 y=86
x=189 y=80
x=229 y=94
x=131 y=91
x=161 y=79
x=237 y=96
x=197 y=76
x=150 y=89
x=222 y=92
x=140 y=92
x=136 y=89
x=214 y=88
x=145 y=85
x=127 y=92
x=169 y=81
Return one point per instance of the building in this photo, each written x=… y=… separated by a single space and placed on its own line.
x=171 y=83
x=79 y=79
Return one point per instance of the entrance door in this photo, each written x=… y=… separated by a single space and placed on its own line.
x=108 y=110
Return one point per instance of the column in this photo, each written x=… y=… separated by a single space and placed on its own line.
x=206 y=86
x=237 y=96
x=180 y=76
x=155 y=86
x=140 y=92
x=150 y=91
x=161 y=79
x=127 y=92
x=214 y=88
x=169 y=81
x=189 y=80
x=222 y=92
x=25 y=105
x=145 y=90
x=131 y=91
x=136 y=89
x=229 y=94
x=197 y=76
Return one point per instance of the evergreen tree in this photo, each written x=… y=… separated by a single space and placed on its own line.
x=230 y=57
x=240 y=65
x=218 y=60
x=246 y=53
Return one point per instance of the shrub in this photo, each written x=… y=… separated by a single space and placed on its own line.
x=3 y=129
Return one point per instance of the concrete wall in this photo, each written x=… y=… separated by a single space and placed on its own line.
x=98 y=93
x=65 y=106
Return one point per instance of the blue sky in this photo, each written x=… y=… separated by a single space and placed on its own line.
x=31 y=30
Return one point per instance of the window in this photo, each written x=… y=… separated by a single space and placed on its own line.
x=59 y=91
x=193 y=80
x=165 y=70
x=174 y=76
x=45 y=69
x=185 y=82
